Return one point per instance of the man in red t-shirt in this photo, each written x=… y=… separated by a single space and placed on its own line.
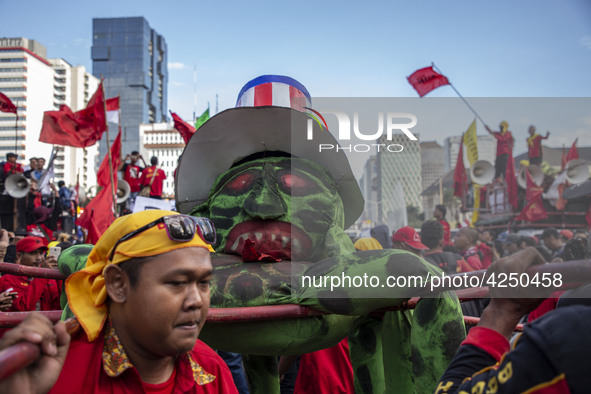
x=11 y=166
x=153 y=177
x=534 y=146
x=29 y=293
x=132 y=174
x=439 y=215
x=504 y=148
x=465 y=243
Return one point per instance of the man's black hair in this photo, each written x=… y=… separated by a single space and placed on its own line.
x=10 y=154
x=550 y=231
x=431 y=233
x=61 y=183
x=154 y=160
x=135 y=152
x=132 y=268
x=441 y=208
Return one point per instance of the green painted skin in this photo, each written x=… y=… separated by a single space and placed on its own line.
x=400 y=352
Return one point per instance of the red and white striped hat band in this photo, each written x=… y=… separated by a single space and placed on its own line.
x=274 y=90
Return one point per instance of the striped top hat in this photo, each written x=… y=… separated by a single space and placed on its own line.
x=275 y=90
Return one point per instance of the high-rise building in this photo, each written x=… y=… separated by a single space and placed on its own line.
x=487 y=149
x=36 y=84
x=369 y=184
x=164 y=142
x=401 y=167
x=132 y=59
x=431 y=165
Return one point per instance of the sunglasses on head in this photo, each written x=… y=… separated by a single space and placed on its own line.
x=180 y=228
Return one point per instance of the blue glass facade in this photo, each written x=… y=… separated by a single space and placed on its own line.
x=132 y=59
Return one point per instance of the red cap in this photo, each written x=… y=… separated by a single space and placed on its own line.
x=30 y=244
x=409 y=236
x=567 y=233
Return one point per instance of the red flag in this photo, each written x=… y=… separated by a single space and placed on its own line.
x=534 y=210
x=183 y=127
x=6 y=105
x=103 y=176
x=426 y=79
x=511 y=181
x=79 y=129
x=112 y=106
x=98 y=215
x=460 y=178
x=573 y=152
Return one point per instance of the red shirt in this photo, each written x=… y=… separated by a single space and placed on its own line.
x=487 y=254
x=10 y=168
x=159 y=177
x=326 y=371
x=132 y=175
x=32 y=294
x=446 y=232
x=504 y=142
x=534 y=145
x=199 y=371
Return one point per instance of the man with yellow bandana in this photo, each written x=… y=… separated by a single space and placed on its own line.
x=142 y=300
x=534 y=145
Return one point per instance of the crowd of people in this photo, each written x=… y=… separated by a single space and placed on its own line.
x=30 y=203
x=141 y=294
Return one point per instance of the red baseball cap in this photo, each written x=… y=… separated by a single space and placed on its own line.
x=30 y=244
x=567 y=233
x=409 y=236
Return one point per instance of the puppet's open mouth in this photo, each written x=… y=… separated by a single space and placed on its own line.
x=278 y=239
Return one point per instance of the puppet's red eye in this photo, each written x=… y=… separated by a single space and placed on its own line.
x=293 y=182
x=241 y=182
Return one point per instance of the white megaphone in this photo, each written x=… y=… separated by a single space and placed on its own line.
x=536 y=173
x=123 y=191
x=482 y=172
x=17 y=185
x=577 y=171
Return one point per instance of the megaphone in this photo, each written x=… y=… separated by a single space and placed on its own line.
x=482 y=172
x=536 y=173
x=123 y=191
x=577 y=171
x=17 y=185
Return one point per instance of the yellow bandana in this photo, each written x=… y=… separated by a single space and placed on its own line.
x=86 y=288
x=368 y=243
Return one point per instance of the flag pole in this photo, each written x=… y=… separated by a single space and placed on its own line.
x=459 y=95
x=16 y=134
x=109 y=152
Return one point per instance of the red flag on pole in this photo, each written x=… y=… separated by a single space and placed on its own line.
x=426 y=79
x=112 y=106
x=460 y=178
x=534 y=210
x=103 y=176
x=98 y=215
x=511 y=181
x=79 y=129
x=573 y=152
x=183 y=127
x=6 y=105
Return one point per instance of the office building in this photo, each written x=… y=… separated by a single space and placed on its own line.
x=36 y=84
x=132 y=59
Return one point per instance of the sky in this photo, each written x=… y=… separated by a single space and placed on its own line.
x=530 y=48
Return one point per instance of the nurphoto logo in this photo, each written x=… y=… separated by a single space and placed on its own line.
x=391 y=122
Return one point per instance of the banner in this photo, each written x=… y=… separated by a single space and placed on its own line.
x=471 y=142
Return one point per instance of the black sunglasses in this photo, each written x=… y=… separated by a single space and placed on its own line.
x=180 y=228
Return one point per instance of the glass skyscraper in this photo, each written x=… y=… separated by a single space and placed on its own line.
x=132 y=59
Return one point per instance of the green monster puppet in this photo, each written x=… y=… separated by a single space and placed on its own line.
x=280 y=208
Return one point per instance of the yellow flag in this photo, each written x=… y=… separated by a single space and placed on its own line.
x=471 y=142
x=476 y=212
